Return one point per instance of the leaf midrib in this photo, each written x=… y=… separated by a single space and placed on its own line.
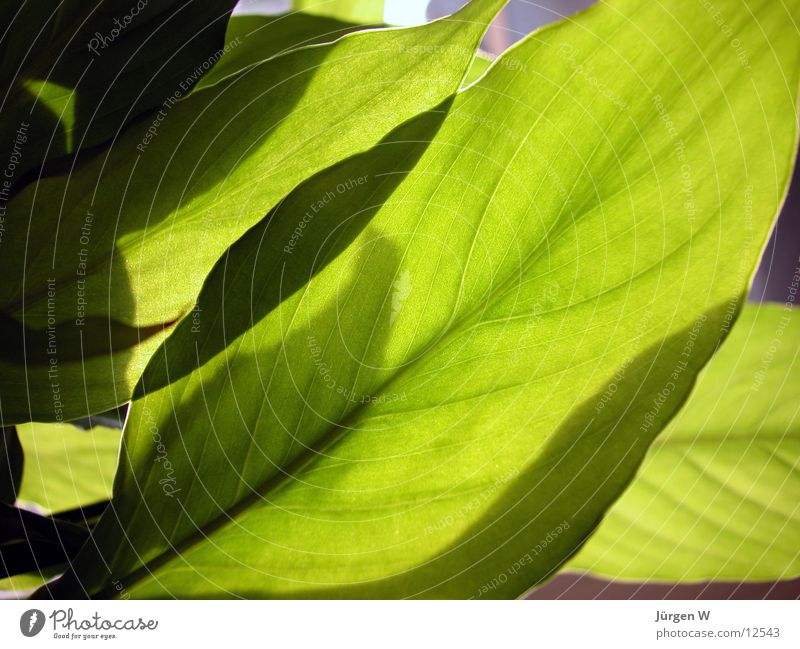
x=328 y=440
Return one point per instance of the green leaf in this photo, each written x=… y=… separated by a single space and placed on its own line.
x=11 y=462
x=67 y=467
x=30 y=541
x=78 y=72
x=359 y=11
x=253 y=39
x=392 y=385
x=479 y=66
x=716 y=497
x=140 y=227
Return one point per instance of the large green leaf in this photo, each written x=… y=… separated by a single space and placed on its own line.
x=66 y=467
x=392 y=386
x=251 y=39
x=139 y=228
x=75 y=72
x=718 y=496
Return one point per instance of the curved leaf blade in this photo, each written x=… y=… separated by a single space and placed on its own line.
x=251 y=39
x=401 y=399
x=127 y=254
x=22 y=586
x=717 y=495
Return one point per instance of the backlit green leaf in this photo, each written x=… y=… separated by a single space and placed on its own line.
x=11 y=462
x=718 y=496
x=96 y=264
x=393 y=386
x=252 y=39
x=20 y=586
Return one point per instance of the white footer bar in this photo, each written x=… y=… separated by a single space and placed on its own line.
x=404 y=625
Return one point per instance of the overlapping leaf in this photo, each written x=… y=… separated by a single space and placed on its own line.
x=251 y=39
x=98 y=263
x=437 y=364
x=66 y=467
x=20 y=586
x=718 y=496
x=64 y=488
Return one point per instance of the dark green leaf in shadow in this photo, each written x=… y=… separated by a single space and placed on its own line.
x=399 y=395
x=78 y=72
x=140 y=228
x=30 y=542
